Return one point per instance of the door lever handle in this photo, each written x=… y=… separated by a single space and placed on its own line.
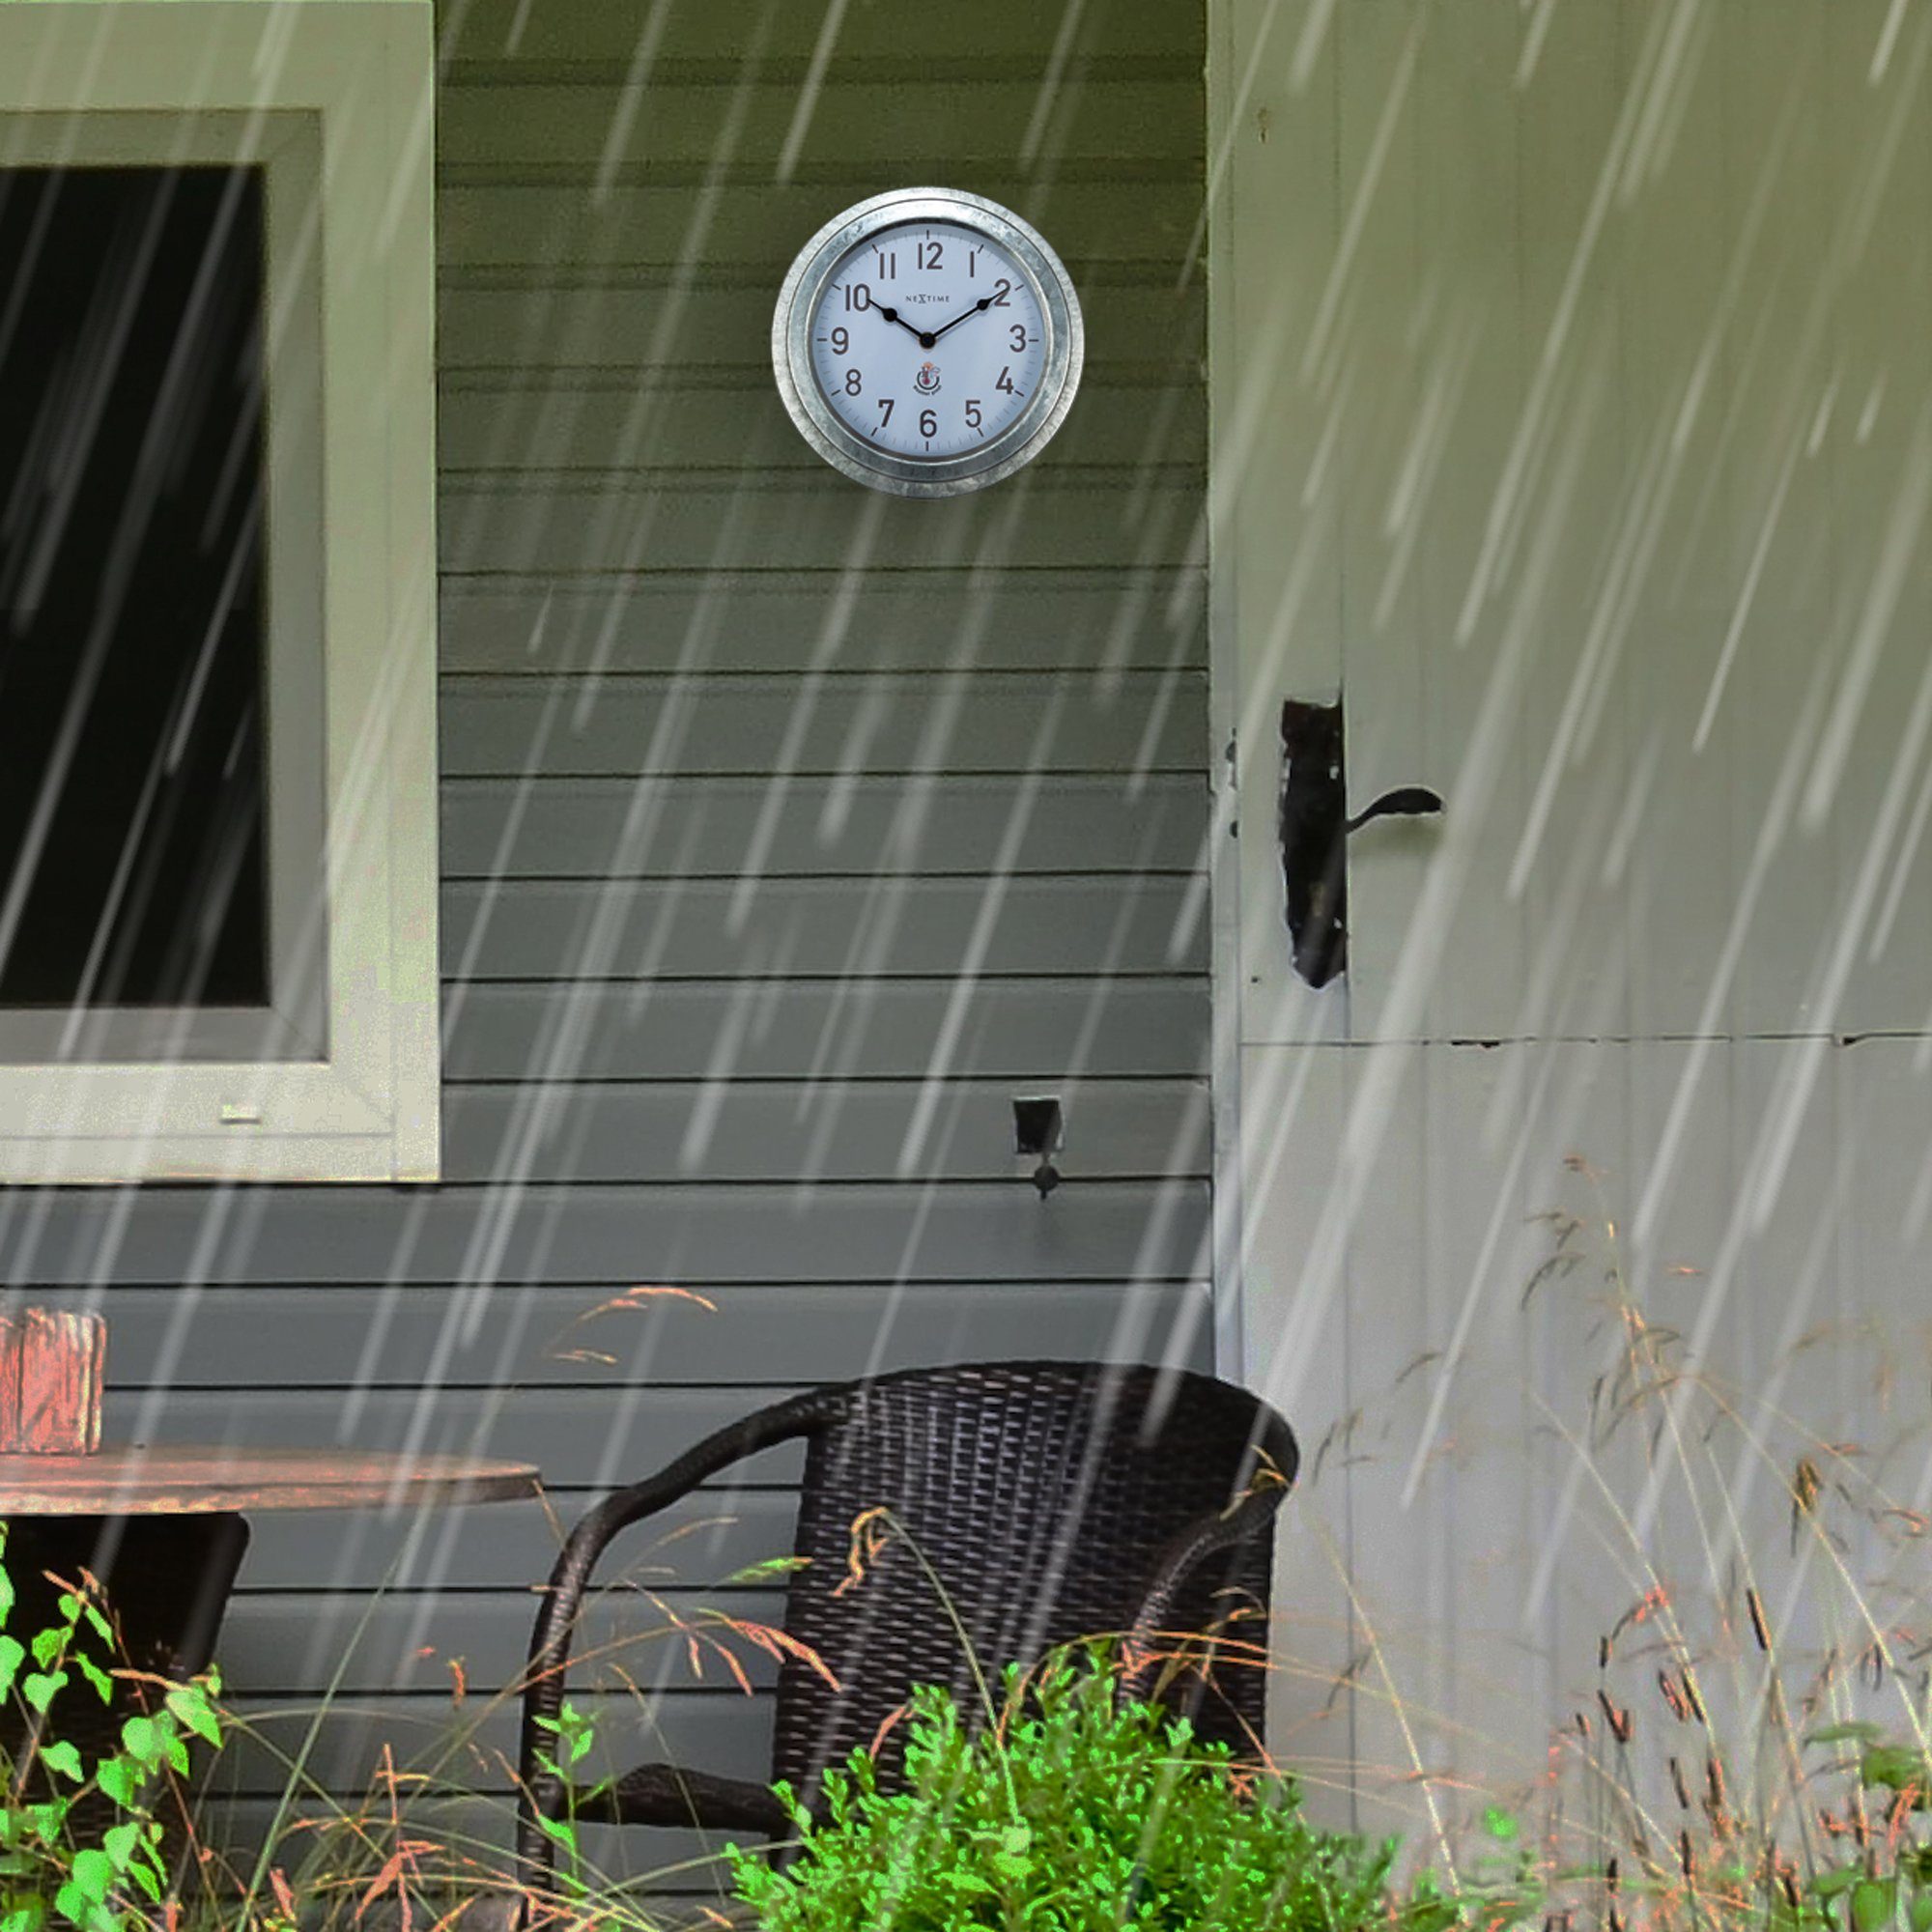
x=1314 y=826
x=1403 y=802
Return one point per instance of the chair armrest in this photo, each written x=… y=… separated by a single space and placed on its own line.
x=539 y=1792
x=1277 y=1458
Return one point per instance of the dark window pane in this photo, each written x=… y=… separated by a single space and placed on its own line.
x=133 y=868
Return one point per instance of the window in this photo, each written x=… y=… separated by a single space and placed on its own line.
x=217 y=655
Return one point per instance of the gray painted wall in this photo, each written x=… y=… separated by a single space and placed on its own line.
x=787 y=834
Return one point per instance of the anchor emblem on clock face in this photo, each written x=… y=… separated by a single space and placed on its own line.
x=927 y=382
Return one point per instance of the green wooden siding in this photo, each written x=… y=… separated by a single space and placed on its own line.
x=789 y=832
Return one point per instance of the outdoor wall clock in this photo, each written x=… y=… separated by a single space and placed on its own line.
x=927 y=342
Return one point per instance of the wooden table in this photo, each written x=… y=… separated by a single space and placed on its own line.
x=170 y=1482
x=163 y=1528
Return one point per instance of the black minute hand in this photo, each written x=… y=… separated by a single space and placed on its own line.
x=985 y=301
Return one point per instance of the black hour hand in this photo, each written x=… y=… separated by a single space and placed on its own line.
x=925 y=341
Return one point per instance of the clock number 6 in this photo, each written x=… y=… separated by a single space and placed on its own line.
x=928 y=423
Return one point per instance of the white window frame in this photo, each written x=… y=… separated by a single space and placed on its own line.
x=341 y=1080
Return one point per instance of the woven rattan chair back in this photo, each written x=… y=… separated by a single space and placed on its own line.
x=1033 y=1501
x=994 y=1511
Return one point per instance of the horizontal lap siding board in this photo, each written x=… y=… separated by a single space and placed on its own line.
x=749 y=225
x=1130 y=723
x=1017 y=39
x=702 y=1234
x=520 y=929
x=351 y=1340
x=912 y=825
x=759 y=520
x=902 y=809
x=1107 y=620
x=851 y=1028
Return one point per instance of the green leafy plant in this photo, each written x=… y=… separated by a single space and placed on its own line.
x=101 y=1878
x=1075 y=1810
x=571 y=1736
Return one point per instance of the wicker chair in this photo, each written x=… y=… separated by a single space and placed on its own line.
x=1052 y=1500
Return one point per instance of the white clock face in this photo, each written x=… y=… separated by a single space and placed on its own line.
x=927 y=342
x=929 y=339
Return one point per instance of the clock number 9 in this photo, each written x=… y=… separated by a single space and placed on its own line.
x=855 y=382
x=841 y=341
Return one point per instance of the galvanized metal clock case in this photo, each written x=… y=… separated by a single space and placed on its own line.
x=927 y=342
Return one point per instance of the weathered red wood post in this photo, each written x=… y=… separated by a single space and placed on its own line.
x=51 y=1366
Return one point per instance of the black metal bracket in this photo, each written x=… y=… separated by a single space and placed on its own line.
x=1313 y=827
x=1039 y=1127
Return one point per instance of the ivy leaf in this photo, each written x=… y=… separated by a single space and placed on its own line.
x=1897 y=1769
x=12 y=1654
x=1872 y=1902
x=120 y=1781
x=1830 y=1883
x=38 y=1686
x=63 y=1756
x=191 y=1704
x=48 y=1820
x=559 y=1829
x=93 y=1873
x=143 y=1739
x=121 y=1842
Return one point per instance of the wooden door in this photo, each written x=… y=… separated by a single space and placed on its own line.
x=1573 y=423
